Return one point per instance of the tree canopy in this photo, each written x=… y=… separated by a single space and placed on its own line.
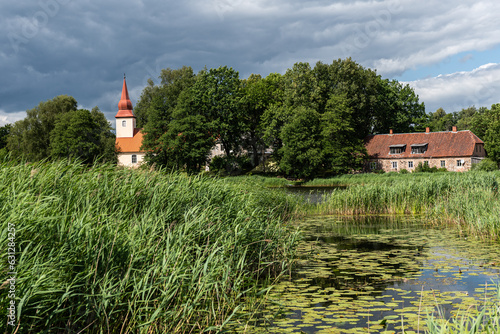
x=314 y=118
x=56 y=129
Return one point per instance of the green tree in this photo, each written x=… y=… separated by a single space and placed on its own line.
x=465 y=117
x=30 y=137
x=301 y=87
x=143 y=104
x=173 y=82
x=155 y=141
x=492 y=134
x=343 y=151
x=302 y=154
x=107 y=139
x=480 y=122
x=442 y=121
x=4 y=133
x=181 y=139
x=217 y=96
x=162 y=103
x=190 y=143
x=359 y=85
x=398 y=108
x=82 y=134
x=257 y=95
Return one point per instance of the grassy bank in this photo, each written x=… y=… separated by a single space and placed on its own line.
x=469 y=200
x=121 y=251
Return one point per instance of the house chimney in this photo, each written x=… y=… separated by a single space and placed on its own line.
x=427 y=130
x=390 y=131
x=454 y=129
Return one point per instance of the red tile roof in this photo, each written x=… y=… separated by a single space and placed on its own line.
x=130 y=144
x=440 y=144
x=125 y=105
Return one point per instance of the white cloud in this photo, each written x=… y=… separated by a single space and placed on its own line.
x=453 y=92
x=9 y=118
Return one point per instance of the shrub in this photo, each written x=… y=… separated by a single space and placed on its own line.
x=486 y=165
x=424 y=168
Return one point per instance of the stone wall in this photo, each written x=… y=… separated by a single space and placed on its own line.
x=451 y=164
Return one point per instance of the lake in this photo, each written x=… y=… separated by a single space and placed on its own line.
x=375 y=274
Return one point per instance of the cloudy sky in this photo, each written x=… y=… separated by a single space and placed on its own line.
x=449 y=51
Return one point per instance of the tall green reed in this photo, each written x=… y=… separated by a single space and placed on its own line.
x=469 y=200
x=112 y=250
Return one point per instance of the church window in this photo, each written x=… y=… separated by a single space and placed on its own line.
x=124 y=123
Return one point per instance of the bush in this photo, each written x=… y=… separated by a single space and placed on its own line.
x=486 y=165
x=403 y=171
x=424 y=168
x=230 y=165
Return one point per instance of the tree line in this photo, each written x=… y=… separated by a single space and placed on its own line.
x=483 y=122
x=313 y=119
x=58 y=129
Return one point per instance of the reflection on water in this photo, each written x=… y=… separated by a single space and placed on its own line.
x=371 y=274
x=310 y=194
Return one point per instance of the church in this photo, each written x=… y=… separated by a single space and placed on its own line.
x=128 y=137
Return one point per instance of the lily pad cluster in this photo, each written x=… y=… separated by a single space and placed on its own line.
x=379 y=274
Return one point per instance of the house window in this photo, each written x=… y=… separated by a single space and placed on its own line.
x=426 y=163
x=396 y=149
x=134 y=158
x=394 y=165
x=418 y=148
x=443 y=163
x=410 y=164
x=124 y=123
x=460 y=163
x=373 y=165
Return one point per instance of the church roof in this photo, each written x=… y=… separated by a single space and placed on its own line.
x=125 y=105
x=130 y=144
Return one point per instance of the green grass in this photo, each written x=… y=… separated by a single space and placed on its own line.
x=107 y=250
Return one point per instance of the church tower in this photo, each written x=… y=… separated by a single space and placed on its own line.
x=128 y=137
x=125 y=118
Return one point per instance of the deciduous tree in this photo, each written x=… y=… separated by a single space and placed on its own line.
x=30 y=137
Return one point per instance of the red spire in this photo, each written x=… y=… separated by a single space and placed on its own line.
x=125 y=105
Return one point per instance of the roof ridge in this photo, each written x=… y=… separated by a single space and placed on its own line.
x=420 y=132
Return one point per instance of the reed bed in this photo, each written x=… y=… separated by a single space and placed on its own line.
x=484 y=318
x=107 y=250
x=469 y=200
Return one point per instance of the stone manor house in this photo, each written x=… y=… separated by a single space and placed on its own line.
x=454 y=150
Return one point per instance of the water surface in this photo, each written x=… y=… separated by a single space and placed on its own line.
x=375 y=274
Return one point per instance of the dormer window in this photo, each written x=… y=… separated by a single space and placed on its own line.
x=397 y=149
x=124 y=124
x=419 y=148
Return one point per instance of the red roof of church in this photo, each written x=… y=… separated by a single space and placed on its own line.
x=439 y=144
x=125 y=105
x=130 y=144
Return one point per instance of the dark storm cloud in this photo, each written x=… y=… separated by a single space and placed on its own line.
x=82 y=48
